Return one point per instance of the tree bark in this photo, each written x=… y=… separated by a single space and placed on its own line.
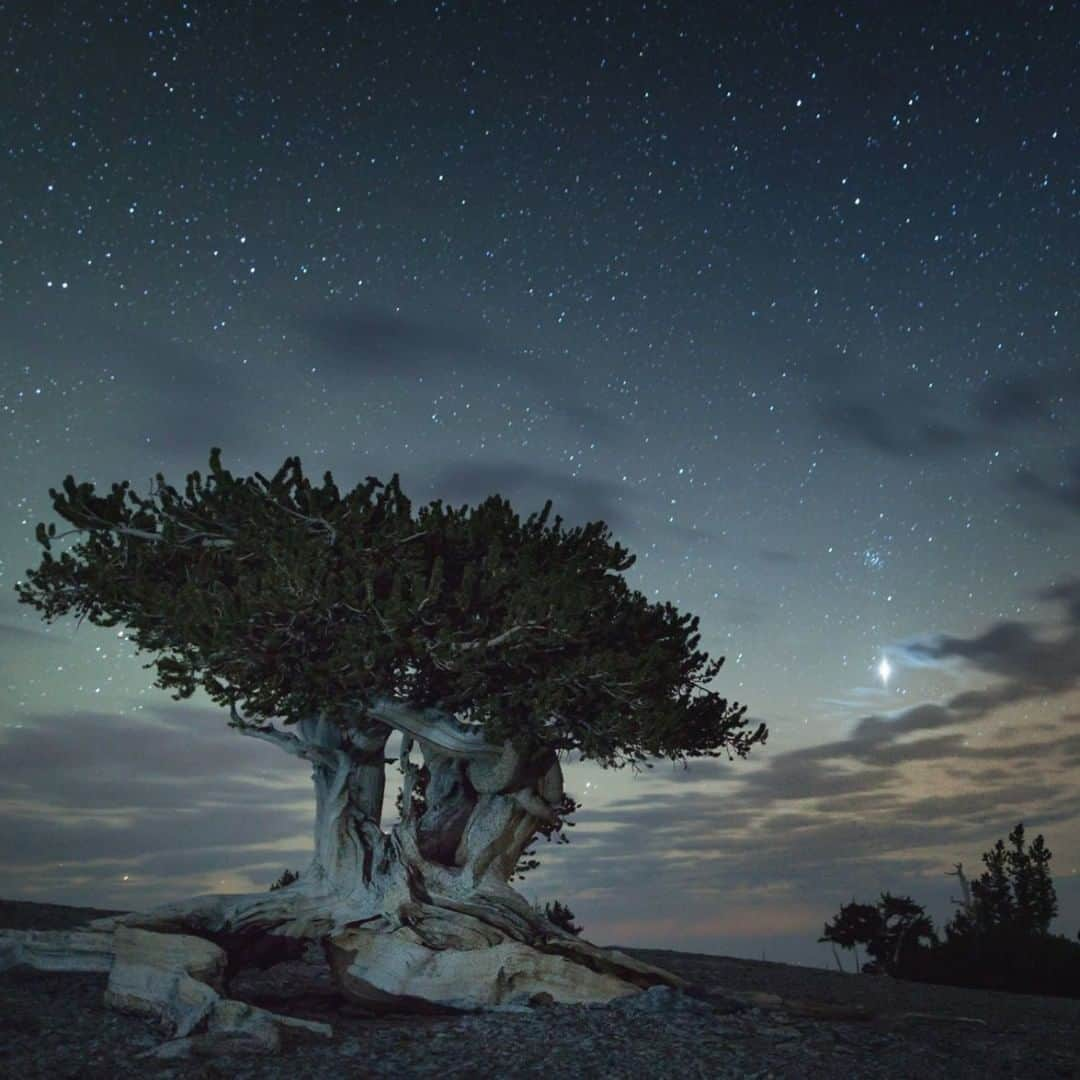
x=420 y=918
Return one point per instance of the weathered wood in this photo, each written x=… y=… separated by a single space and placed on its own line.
x=56 y=950
x=176 y=980
x=419 y=919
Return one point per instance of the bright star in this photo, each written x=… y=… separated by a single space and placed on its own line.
x=884 y=670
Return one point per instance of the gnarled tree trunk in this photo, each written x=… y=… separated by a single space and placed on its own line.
x=419 y=919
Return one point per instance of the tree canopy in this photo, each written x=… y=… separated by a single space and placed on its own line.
x=1014 y=893
x=1001 y=924
x=297 y=600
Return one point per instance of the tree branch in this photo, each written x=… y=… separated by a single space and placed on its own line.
x=142 y=534
x=282 y=739
x=432 y=725
x=506 y=635
x=267 y=732
x=529 y=800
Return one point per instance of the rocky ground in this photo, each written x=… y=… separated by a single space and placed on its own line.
x=808 y=1023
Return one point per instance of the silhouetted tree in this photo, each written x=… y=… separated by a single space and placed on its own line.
x=999 y=939
x=561 y=916
x=1036 y=898
x=1015 y=893
x=286 y=879
x=992 y=891
x=892 y=931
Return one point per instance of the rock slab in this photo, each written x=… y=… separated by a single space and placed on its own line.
x=56 y=950
x=174 y=978
x=178 y=980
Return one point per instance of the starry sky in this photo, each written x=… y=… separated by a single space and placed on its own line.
x=786 y=294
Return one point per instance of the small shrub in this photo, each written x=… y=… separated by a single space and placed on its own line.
x=1009 y=960
x=561 y=916
x=286 y=879
x=998 y=940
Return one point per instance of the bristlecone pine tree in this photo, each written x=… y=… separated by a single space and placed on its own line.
x=490 y=645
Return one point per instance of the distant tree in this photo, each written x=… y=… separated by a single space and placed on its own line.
x=891 y=932
x=561 y=916
x=965 y=921
x=857 y=924
x=992 y=890
x=1035 y=896
x=1015 y=894
x=998 y=939
x=286 y=879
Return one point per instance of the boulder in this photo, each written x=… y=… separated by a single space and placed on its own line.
x=249 y=1021
x=178 y=980
x=56 y=950
x=174 y=978
x=204 y=1046
x=235 y=1027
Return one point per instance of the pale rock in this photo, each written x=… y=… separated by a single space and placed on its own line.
x=178 y=980
x=399 y=973
x=235 y=1027
x=107 y=923
x=56 y=950
x=206 y=1046
x=174 y=978
x=663 y=999
x=239 y=1018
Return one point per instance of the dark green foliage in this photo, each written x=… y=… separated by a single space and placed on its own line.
x=992 y=892
x=565 y=808
x=419 y=800
x=1036 y=899
x=286 y=879
x=1014 y=892
x=1006 y=959
x=891 y=931
x=1001 y=942
x=294 y=600
x=562 y=917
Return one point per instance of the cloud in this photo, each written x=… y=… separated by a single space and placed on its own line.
x=359 y=343
x=170 y=398
x=1011 y=400
x=1064 y=492
x=576 y=499
x=868 y=759
x=1025 y=397
x=905 y=419
x=1033 y=665
x=768 y=847
x=366 y=342
x=172 y=789
x=777 y=557
x=30 y=634
x=894 y=432
x=843 y=815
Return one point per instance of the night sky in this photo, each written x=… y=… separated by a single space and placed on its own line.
x=787 y=295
